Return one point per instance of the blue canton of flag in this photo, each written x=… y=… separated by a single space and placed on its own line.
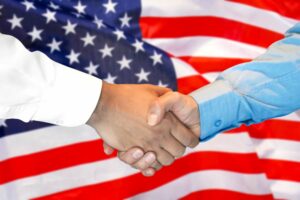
x=99 y=37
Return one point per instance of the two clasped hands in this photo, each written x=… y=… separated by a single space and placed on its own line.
x=150 y=126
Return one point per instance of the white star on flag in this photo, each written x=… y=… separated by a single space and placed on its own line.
x=92 y=69
x=29 y=5
x=124 y=63
x=110 y=6
x=0 y=9
x=143 y=75
x=120 y=34
x=15 y=22
x=106 y=51
x=2 y=123
x=160 y=84
x=54 y=45
x=157 y=58
x=125 y=20
x=69 y=28
x=73 y=57
x=88 y=40
x=53 y=6
x=110 y=78
x=98 y=22
x=80 y=8
x=50 y=16
x=138 y=45
x=35 y=34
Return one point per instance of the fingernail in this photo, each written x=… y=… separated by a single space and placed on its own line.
x=150 y=158
x=137 y=154
x=148 y=173
x=107 y=152
x=152 y=119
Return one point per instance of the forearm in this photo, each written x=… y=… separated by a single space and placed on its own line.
x=252 y=92
x=33 y=87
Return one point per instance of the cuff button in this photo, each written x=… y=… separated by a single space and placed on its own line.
x=218 y=123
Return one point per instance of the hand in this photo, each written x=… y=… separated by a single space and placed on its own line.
x=120 y=119
x=186 y=110
x=184 y=107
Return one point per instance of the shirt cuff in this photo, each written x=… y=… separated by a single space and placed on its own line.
x=70 y=99
x=218 y=107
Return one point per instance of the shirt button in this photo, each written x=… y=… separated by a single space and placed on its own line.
x=218 y=123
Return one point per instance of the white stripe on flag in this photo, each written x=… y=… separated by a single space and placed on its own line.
x=203 y=46
x=278 y=149
x=65 y=179
x=285 y=189
x=209 y=179
x=106 y=170
x=183 y=69
x=223 y=9
x=230 y=143
x=44 y=139
x=211 y=77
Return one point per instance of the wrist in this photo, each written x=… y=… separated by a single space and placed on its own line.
x=106 y=97
x=195 y=125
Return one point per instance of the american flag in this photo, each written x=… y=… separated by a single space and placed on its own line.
x=181 y=44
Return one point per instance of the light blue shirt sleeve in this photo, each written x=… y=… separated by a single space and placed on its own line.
x=252 y=92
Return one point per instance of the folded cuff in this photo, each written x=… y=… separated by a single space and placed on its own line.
x=218 y=108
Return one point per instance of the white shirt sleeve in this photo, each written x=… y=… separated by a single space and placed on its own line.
x=33 y=87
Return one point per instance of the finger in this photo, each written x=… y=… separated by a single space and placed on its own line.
x=152 y=170
x=131 y=156
x=183 y=134
x=162 y=105
x=156 y=165
x=164 y=157
x=173 y=146
x=108 y=150
x=145 y=162
x=148 y=172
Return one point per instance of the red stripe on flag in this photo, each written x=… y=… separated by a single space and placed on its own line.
x=288 y=8
x=126 y=187
x=282 y=170
x=188 y=84
x=205 y=64
x=276 y=129
x=51 y=160
x=155 y=27
x=224 y=194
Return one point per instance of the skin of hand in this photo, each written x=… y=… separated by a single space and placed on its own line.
x=182 y=106
x=120 y=118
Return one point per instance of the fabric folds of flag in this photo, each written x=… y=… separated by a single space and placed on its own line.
x=181 y=44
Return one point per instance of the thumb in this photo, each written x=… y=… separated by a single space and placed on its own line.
x=158 y=108
x=108 y=150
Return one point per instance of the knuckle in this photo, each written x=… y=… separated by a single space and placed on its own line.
x=176 y=95
x=139 y=165
x=180 y=152
x=156 y=165
x=167 y=161
x=121 y=156
x=193 y=142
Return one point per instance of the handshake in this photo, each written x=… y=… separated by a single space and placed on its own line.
x=150 y=126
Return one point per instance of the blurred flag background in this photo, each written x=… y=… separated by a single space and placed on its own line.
x=181 y=44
